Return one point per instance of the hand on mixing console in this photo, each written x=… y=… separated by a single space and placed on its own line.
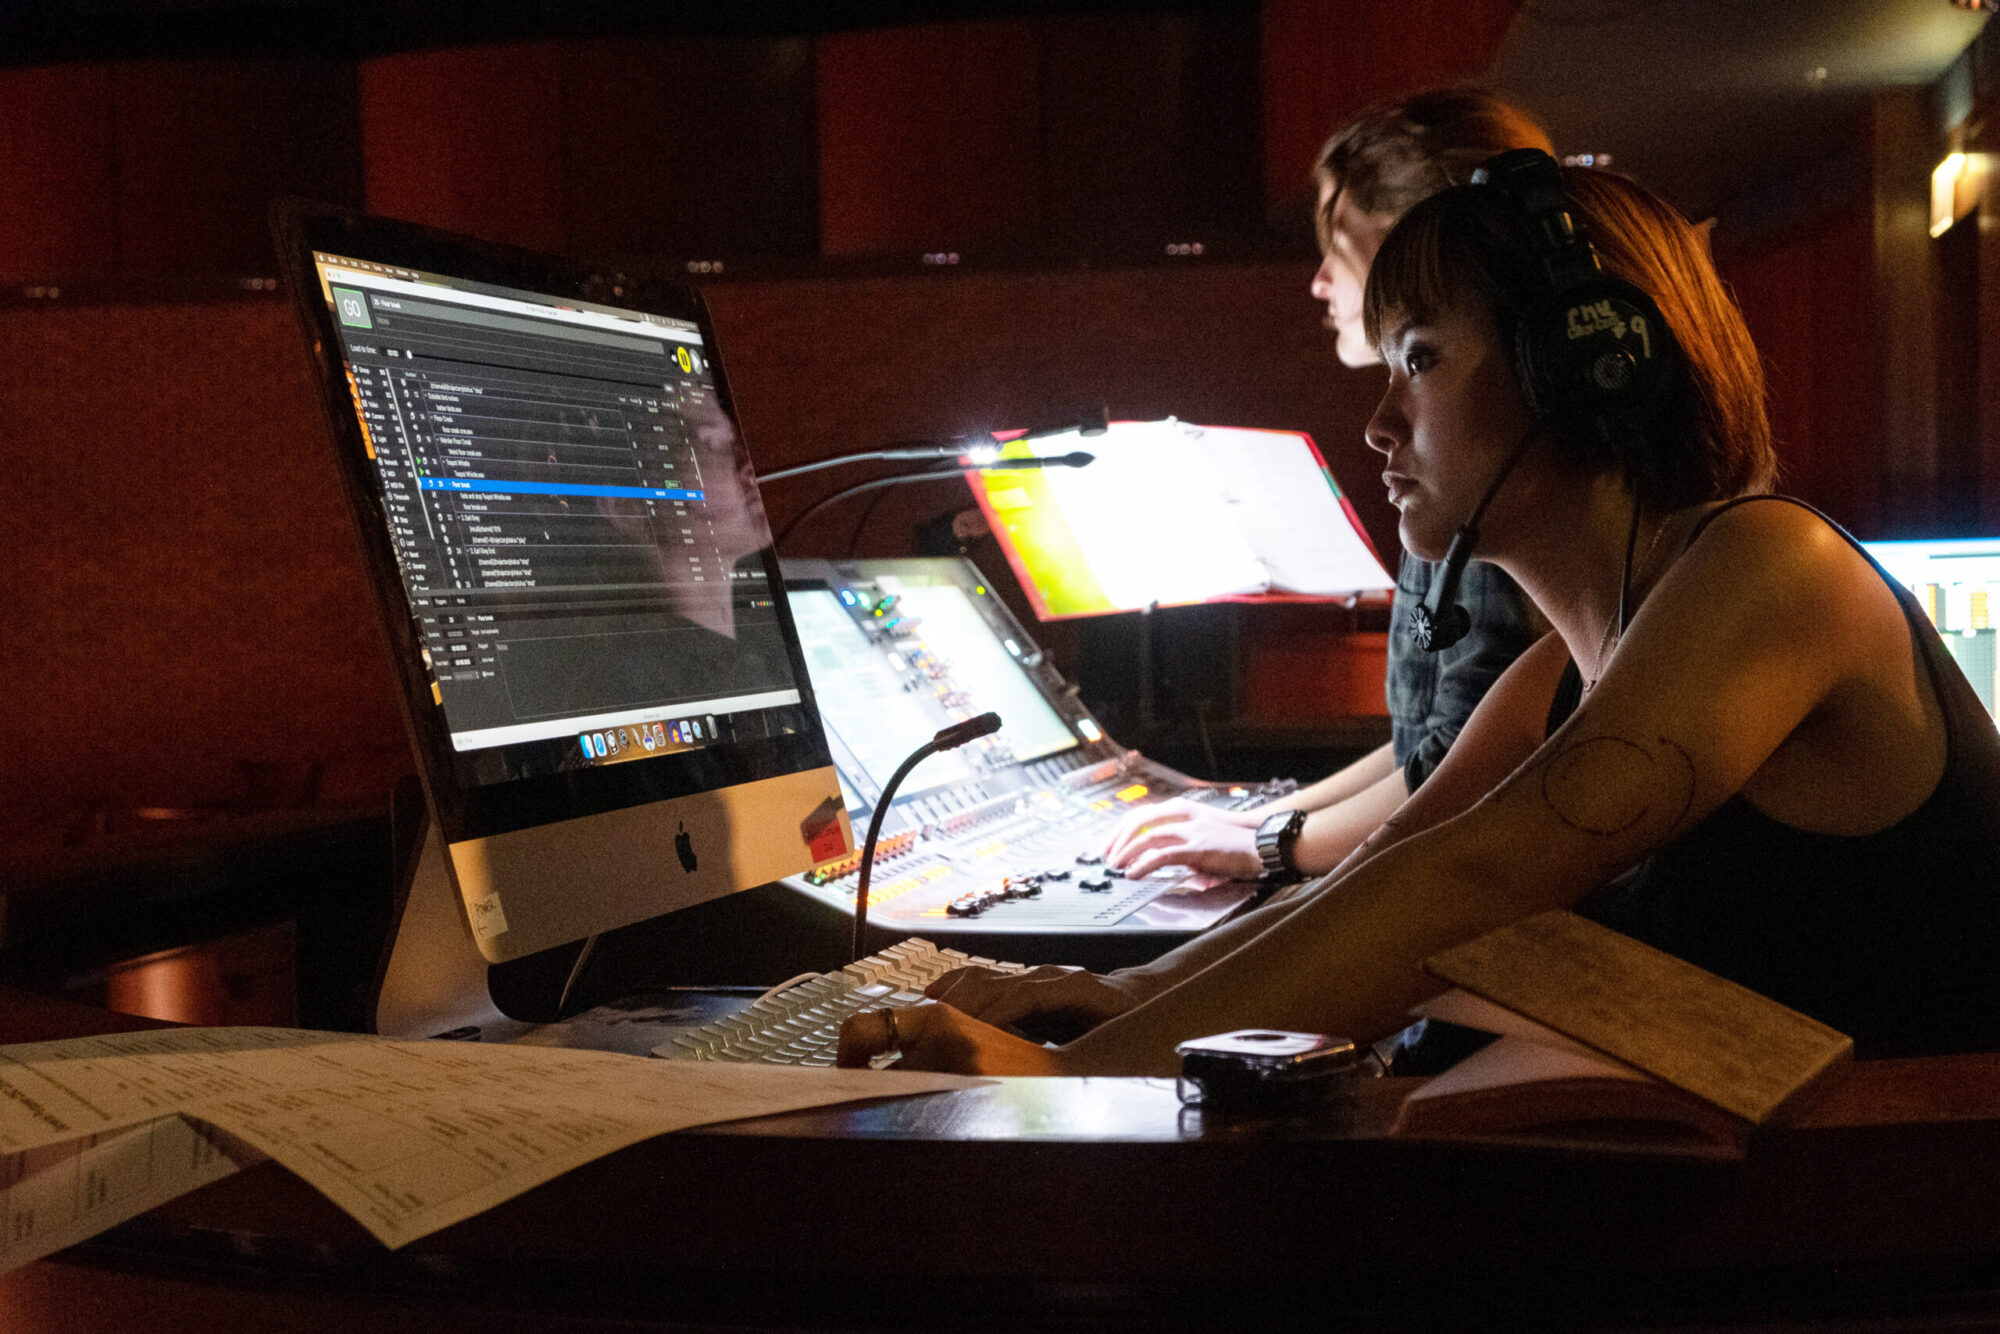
x=939 y=1037
x=1184 y=833
x=1046 y=1004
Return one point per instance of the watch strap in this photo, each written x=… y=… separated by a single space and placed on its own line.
x=1276 y=837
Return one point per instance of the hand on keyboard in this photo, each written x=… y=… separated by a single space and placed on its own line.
x=937 y=1037
x=1045 y=1004
x=798 y=1024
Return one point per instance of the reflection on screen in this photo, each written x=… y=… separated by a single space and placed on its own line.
x=872 y=700
x=1958 y=584
x=575 y=523
x=981 y=665
x=889 y=675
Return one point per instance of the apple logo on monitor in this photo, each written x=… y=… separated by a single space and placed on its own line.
x=684 y=849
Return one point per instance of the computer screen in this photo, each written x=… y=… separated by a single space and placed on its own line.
x=574 y=564
x=900 y=648
x=1957 y=581
x=1170 y=513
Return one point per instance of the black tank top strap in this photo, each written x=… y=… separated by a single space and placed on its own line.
x=1569 y=690
x=1569 y=694
x=1889 y=937
x=1913 y=611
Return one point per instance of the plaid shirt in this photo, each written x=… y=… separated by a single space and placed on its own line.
x=1432 y=694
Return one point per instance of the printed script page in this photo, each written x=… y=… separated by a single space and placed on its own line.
x=60 y=1194
x=1284 y=503
x=1147 y=518
x=407 y=1137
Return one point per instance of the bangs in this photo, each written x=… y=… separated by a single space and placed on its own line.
x=1441 y=253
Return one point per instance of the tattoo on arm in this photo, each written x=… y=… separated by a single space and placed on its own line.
x=1608 y=785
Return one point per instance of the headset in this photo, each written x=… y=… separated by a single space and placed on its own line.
x=1594 y=356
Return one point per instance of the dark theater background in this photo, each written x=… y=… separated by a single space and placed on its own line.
x=909 y=224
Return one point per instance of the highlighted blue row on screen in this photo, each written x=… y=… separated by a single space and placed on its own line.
x=555 y=489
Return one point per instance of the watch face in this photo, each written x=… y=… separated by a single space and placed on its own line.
x=1277 y=823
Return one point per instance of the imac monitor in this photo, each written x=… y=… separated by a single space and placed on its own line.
x=604 y=686
x=1957 y=582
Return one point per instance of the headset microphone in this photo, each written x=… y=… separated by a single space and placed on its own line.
x=1437 y=625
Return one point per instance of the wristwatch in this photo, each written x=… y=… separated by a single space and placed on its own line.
x=1276 y=838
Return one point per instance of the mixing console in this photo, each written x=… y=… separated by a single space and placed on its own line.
x=1029 y=861
x=1005 y=836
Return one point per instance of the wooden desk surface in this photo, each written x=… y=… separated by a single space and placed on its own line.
x=1098 y=1202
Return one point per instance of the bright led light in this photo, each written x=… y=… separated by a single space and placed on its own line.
x=1944 y=192
x=981 y=455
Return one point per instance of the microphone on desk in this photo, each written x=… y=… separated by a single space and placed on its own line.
x=949 y=738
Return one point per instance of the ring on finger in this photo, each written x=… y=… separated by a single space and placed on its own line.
x=895 y=1037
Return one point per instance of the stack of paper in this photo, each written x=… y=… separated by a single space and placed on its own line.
x=408 y=1137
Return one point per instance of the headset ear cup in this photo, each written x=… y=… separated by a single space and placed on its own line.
x=1598 y=364
x=1529 y=363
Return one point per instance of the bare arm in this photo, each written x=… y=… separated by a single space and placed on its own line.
x=1770 y=658
x=1363 y=775
x=1701 y=696
x=1493 y=745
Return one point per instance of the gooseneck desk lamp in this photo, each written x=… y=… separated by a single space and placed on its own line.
x=949 y=738
x=979 y=453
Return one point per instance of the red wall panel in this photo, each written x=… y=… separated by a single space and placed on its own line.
x=929 y=137
x=1149 y=130
x=204 y=146
x=1807 y=299
x=186 y=598
x=59 y=210
x=469 y=139
x=690 y=147
x=1326 y=59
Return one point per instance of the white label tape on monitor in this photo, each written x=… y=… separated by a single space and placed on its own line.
x=488 y=920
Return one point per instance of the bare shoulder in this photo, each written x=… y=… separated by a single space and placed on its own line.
x=1784 y=556
x=1775 y=534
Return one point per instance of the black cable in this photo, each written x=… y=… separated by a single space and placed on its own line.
x=948 y=449
x=950 y=738
x=1090 y=422
x=927 y=475
x=861 y=524
x=1075 y=459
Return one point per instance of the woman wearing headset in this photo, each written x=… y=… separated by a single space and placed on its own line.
x=1740 y=744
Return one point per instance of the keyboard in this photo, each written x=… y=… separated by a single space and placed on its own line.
x=799 y=1023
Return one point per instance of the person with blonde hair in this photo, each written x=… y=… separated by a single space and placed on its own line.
x=1370 y=172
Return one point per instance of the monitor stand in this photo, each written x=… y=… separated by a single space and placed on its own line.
x=426 y=978
x=432 y=981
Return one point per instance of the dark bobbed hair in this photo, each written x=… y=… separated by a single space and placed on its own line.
x=1712 y=441
x=1390 y=155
